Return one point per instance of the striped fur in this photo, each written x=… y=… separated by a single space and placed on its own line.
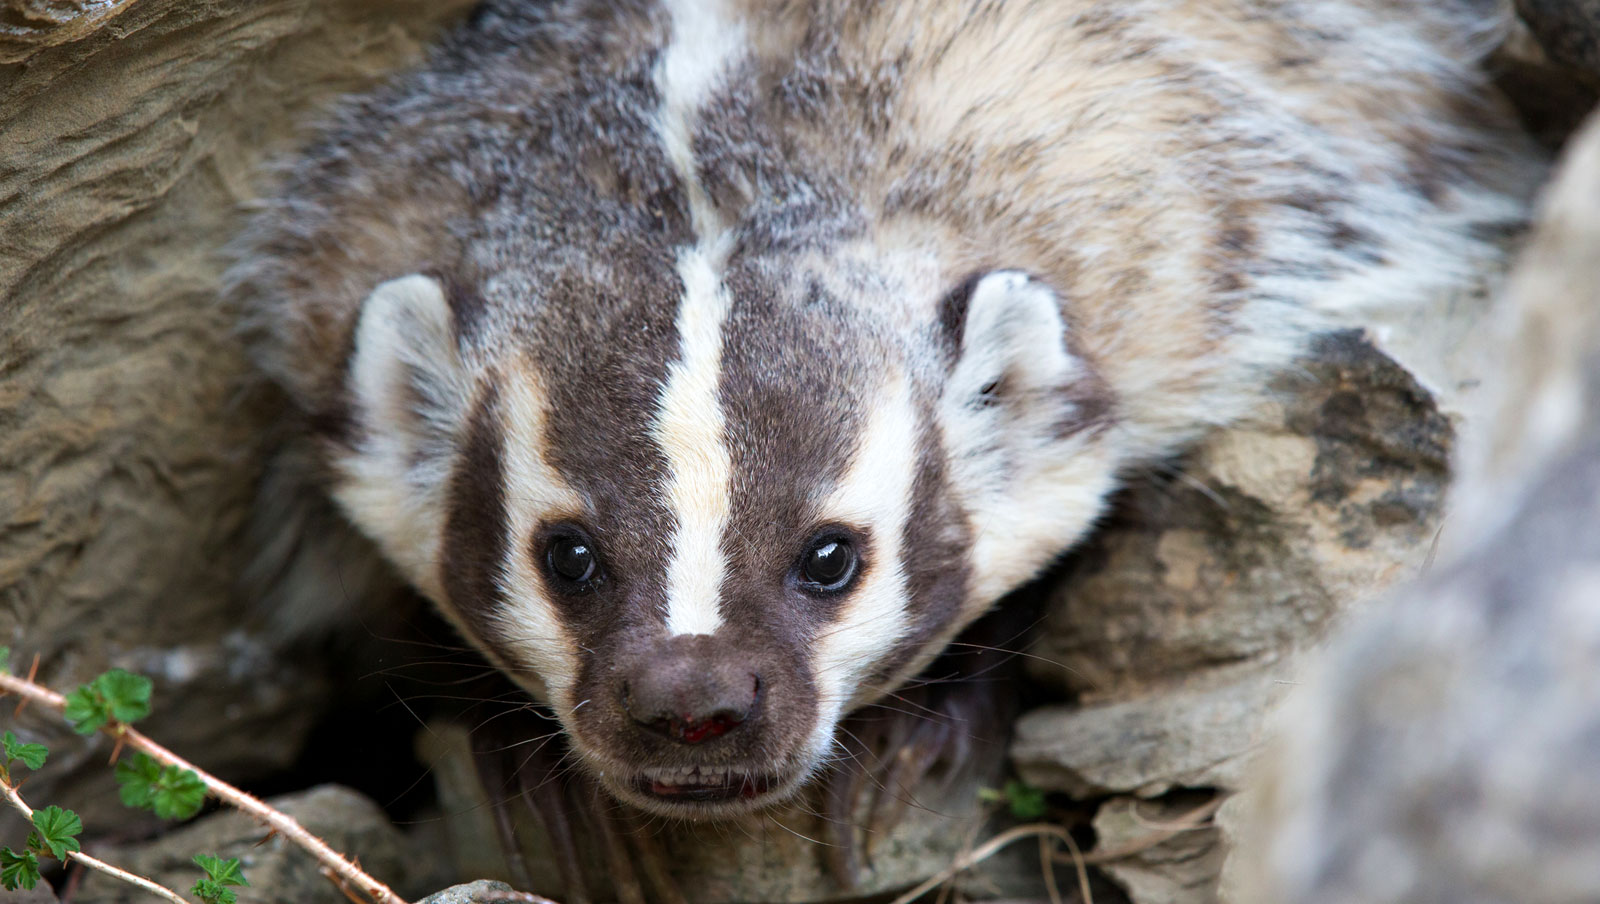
x=708 y=280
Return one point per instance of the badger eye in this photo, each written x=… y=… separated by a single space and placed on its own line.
x=829 y=564
x=571 y=559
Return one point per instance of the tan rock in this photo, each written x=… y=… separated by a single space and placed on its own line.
x=130 y=437
x=278 y=871
x=1444 y=749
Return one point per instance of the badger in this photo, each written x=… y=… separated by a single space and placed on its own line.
x=712 y=364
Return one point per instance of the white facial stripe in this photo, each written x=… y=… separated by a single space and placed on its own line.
x=875 y=493
x=529 y=625
x=702 y=45
x=689 y=429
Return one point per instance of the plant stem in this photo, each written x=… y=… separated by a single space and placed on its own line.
x=94 y=863
x=989 y=849
x=279 y=822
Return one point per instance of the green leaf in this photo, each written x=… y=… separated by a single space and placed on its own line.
x=180 y=794
x=169 y=792
x=57 y=830
x=212 y=892
x=84 y=711
x=18 y=870
x=138 y=776
x=127 y=693
x=31 y=755
x=115 y=695
x=1027 y=802
x=224 y=872
x=5 y=660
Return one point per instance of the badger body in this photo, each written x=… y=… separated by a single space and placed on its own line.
x=710 y=365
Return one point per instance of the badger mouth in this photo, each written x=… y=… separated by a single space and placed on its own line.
x=703 y=784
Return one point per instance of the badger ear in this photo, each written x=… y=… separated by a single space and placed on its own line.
x=1011 y=340
x=406 y=375
x=1021 y=417
x=409 y=392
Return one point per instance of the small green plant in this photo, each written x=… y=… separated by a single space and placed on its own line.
x=55 y=830
x=1025 y=802
x=18 y=870
x=31 y=755
x=115 y=696
x=220 y=874
x=152 y=778
x=167 y=791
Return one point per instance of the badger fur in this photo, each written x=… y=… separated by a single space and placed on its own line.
x=710 y=365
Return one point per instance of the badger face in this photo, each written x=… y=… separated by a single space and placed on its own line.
x=705 y=512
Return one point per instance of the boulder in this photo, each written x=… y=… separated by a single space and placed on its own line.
x=1445 y=747
x=279 y=872
x=483 y=891
x=130 y=434
x=1177 y=628
x=1569 y=30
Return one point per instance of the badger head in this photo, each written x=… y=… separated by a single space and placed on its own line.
x=704 y=512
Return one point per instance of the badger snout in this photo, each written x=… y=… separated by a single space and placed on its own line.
x=699 y=726
x=689 y=692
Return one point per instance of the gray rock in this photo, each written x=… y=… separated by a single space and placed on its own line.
x=130 y=442
x=1261 y=536
x=1179 y=627
x=478 y=892
x=1448 y=747
x=1568 y=29
x=1180 y=869
x=39 y=894
x=1190 y=736
x=279 y=872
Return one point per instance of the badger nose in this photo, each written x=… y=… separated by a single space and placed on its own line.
x=686 y=691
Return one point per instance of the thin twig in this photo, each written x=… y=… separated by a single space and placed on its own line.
x=986 y=850
x=1081 y=865
x=282 y=823
x=1047 y=868
x=94 y=863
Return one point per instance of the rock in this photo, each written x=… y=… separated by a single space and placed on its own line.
x=279 y=872
x=1177 y=628
x=1191 y=736
x=1179 y=869
x=130 y=442
x=1261 y=536
x=1569 y=30
x=472 y=893
x=1551 y=97
x=39 y=894
x=1445 y=747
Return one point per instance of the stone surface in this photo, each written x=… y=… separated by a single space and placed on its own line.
x=482 y=891
x=1193 y=736
x=1569 y=30
x=39 y=894
x=1251 y=544
x=1178 y=628
x=1181 y=869
x=279 y=872
x=1445 y=750
x=129 y=439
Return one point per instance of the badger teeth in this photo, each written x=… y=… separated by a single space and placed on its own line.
x=688 y=775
